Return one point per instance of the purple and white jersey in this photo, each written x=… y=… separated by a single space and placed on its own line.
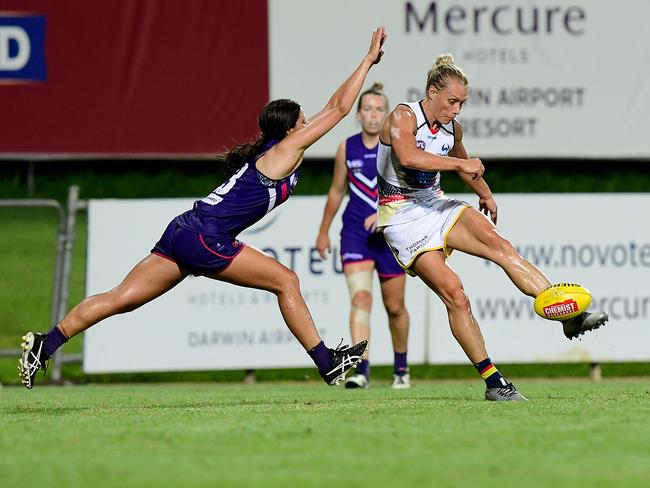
x=239 y=202
x=361 y=163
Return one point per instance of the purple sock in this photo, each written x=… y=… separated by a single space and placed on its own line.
x=53 y=340
x=400 y=366
x=364 y=368
x=322 y=356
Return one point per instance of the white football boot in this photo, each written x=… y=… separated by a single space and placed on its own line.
x=357 y=381
x=401 y=381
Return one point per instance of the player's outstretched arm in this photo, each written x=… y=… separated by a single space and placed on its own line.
x=401 y=127
x=287 y=155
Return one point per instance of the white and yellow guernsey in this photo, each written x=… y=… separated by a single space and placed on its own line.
x=405 y=194
x=408 y=195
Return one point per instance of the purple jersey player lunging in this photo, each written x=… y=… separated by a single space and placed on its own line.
x=362 y=248
x=203 y=241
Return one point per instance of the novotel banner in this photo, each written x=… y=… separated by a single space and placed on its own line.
x=547 y=78
x=204 y=324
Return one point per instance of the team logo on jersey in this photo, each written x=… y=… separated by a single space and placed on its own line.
x=293 y=182
x=355 y=163
x=421 y=145
x=444 y=149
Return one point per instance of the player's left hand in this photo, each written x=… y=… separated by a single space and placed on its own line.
x=375 y=51
x=489 y=207
x=370 y=224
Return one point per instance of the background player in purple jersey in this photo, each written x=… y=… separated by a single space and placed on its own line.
x=362 y=248
x=203 y=241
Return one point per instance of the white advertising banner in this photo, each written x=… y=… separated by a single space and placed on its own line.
x=601 y=241
x=547 y=78
x=595 y=240
x=203 y=324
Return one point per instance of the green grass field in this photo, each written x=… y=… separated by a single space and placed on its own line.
x=571 y=433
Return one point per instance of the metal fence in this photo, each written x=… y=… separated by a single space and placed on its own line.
x=61 y=282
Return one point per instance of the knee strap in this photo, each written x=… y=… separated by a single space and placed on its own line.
x=359 y=316
x=359 y=281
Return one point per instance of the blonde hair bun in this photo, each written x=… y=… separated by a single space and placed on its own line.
x=445 y=60
x=376 y=86
x=442 y=71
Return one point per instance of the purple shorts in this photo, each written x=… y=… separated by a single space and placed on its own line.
x=356 y=248
x=200 y=255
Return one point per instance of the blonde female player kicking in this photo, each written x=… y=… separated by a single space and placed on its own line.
x=423 y=226
x=363 y=249
x=203 y=241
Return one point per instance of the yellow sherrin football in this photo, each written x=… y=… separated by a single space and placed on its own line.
x=562 y=301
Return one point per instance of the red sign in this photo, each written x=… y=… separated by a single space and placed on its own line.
x=145 y=77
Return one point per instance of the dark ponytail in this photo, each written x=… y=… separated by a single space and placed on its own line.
x=275 y=119
x=239 y=155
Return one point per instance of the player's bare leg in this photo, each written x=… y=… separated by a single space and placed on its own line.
x=360 y=299
x=476 y=235
x=149 y=279
x=433 y=269
x=254 y=269
x=359 y=278
x=392 y=292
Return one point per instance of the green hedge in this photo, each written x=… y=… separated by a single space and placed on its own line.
x=148 y=179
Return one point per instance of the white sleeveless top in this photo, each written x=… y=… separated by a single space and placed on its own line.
x=408 y=194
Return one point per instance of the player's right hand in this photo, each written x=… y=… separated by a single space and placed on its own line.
x=378 y=38
x=370 y=224
x=323 y=245
x=472 y=167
